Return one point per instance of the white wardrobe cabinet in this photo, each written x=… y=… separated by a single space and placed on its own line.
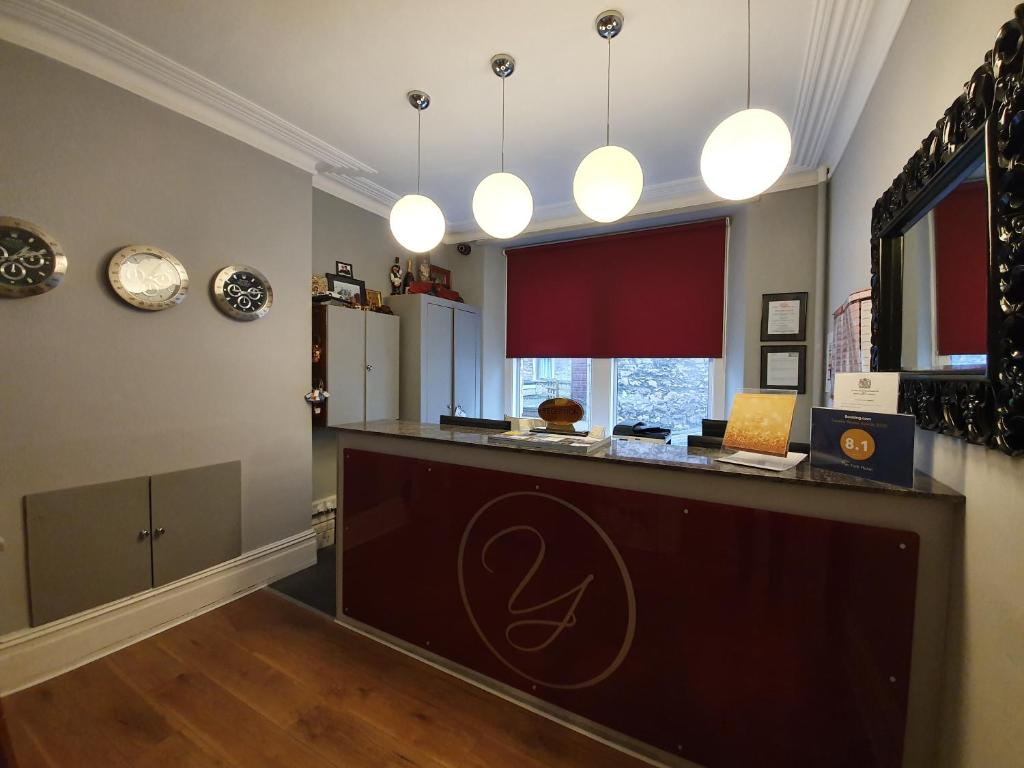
x=362 y=365
x=440 y=357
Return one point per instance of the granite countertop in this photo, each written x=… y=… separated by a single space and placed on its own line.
x=671 y=457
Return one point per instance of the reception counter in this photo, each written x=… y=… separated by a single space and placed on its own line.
x=696 y=612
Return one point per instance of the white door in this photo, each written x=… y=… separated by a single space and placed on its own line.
x=437 y=367
x=346 y=361
x=467 y=363
x=381 y=366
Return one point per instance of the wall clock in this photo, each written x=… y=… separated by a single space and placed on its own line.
x=31 y=262
x=147 y=277
x=242 y=292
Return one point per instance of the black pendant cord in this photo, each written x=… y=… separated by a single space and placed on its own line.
x=419 y=138
x=748 y=54
x=608 y=100
x=503 y=125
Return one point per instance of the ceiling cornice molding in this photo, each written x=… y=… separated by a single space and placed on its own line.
x=79 y=41
x=837 y=31
x=356 y=190
x=656 y=199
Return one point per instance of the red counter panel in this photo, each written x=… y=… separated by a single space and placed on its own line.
x=732 y=637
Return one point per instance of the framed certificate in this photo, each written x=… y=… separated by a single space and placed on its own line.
x=784 y=317
x=784 y=367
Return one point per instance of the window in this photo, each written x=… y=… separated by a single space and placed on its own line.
x=968 y=361
x=670 y=392
x=543 y=377
x=663 y=391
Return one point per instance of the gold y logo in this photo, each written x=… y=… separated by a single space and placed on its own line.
x=537 y=636
x=576 y=593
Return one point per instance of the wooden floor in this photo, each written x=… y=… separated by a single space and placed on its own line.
x=264 y=682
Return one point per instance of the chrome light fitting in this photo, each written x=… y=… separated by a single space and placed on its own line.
x=609 y=181
x=748 y=151
x=502 y=203
x=416 y=221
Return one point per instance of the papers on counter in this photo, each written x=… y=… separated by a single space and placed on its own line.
x=549 y=442
x=760 y=461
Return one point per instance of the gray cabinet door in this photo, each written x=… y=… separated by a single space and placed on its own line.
x=197 y=519
x=466 y=343
x=346 y=365
x=87 y=546
x=382 y=341
x=437 y=363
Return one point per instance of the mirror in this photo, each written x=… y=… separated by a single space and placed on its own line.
x=949 y=314
x=945 y=279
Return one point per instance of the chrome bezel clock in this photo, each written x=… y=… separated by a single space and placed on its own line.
x=154 y=297
x=236 y=300
x=36 y=267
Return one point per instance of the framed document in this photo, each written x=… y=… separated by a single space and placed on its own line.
x=784 y=367
x=784 y=316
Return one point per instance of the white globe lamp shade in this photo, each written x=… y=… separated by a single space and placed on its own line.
x=746 y=154
x=417 y=223
x=608 y=183
x=502 y=205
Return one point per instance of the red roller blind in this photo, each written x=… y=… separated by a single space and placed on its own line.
x=961 y=271
x=652 y=293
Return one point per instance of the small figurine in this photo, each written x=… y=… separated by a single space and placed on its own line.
x=408 y=279
x=395 y=277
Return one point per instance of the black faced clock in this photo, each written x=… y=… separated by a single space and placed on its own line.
x=147 y=277
x=242 y=292
x=31 y=262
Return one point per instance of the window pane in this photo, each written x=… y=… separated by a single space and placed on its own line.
x=663 y=392
x=544 y=377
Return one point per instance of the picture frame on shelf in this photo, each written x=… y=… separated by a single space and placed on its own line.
x=784 y=367
x=347 y=289
x=374 y=299
x=441 y=275
x=343 y=268
x=784 y=316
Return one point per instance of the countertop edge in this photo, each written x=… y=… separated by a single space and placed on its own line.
x=943 y=493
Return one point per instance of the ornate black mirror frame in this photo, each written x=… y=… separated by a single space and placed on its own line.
x=983 y=408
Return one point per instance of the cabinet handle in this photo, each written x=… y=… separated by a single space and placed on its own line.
x=369 y=366
x=143 y=534
x=159 y=532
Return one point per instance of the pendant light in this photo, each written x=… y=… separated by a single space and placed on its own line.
x=609 y=180
x=502 y=203
x=748 y=151
x=416 y=221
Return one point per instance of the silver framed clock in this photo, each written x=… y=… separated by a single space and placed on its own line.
x=242 y=292
x=147 y=277
x=31 y=262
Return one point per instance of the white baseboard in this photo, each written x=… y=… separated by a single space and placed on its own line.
x=30 y=656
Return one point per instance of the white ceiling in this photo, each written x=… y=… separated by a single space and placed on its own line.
x=337 y=71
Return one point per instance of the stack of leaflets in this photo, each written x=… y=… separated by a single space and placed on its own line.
x=550 y=442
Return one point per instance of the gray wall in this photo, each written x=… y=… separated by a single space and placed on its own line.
x=482 y=274
x=772 y=249
x=94 y=390
x=938 y=47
